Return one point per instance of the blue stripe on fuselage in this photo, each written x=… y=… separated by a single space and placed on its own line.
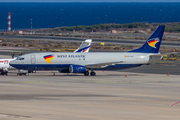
x=66 y=66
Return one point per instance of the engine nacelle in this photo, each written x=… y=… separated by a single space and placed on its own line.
x=77 y=69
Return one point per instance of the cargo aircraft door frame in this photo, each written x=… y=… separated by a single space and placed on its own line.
x=33 y=59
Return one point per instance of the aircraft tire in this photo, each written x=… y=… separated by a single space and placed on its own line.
x=93 y=74
x=86 y=73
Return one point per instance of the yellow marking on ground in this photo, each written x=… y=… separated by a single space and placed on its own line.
x=162 y=61
x=69 y=49
x=102 y=43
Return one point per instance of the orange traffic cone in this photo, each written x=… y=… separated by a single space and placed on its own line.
x=126 y=75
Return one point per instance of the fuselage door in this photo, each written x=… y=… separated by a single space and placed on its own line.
x=33 y=59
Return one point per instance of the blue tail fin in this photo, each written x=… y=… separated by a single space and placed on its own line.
x=153 y=43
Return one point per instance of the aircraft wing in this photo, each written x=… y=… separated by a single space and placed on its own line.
x=102 y=65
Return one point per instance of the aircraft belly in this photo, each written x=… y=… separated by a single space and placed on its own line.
x=42 y=66
x=120 y=66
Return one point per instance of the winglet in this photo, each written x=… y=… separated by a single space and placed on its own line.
x=153 y=43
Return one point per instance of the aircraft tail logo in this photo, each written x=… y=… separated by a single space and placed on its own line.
x=153 y=42
x=48 y=58
x=84 y=47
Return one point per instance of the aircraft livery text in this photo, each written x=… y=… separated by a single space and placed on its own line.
x=71 y=56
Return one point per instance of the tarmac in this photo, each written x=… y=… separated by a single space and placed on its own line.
x=108 y=96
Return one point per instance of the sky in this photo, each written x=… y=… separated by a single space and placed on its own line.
x=89 y=0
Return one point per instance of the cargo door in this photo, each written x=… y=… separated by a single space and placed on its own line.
x=33 y=59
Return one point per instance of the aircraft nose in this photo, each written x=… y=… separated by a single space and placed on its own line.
x=13 y=63
x=16 y=64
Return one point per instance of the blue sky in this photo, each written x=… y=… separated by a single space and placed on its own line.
x=89 y=0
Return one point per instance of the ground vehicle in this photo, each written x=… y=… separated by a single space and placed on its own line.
x=3 y=72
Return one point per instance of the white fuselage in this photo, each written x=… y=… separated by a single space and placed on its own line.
x=62 y=60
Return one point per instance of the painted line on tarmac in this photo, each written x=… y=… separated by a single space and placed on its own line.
x=3 y=115
x=123 y=81
x=175 y=104
x=32 y=82
x=151 y=104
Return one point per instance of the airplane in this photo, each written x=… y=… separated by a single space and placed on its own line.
x=84 y=47
x=4 y=66
x=84 y=62
x=4 y=63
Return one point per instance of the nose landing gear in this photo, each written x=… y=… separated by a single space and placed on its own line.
x=22 y=72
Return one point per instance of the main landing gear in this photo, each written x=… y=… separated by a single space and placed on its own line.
x=86 y=73
x=92 y=73
x=19 y=74
x=31 y=71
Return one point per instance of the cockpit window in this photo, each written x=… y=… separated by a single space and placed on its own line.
x=19 y=58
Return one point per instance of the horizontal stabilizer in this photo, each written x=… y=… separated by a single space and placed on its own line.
x=163 y=54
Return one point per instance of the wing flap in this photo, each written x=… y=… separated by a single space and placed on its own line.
x=102 y=65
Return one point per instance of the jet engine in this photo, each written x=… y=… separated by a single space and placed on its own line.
x=77 y=69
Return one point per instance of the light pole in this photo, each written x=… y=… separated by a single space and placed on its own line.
x=9 y=22
x=31 y=26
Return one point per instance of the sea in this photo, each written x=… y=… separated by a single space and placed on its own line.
x=51 y=15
